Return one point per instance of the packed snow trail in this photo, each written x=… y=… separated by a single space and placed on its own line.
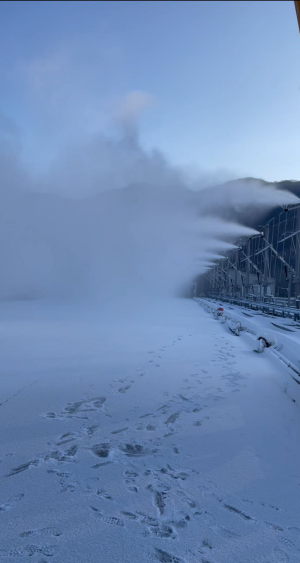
x=163 y=438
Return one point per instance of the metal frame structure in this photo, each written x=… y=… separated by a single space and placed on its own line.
x=265 y=267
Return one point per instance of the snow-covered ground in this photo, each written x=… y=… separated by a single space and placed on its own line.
x=283 y=335
x=149 y=435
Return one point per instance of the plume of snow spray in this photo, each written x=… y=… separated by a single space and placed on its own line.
x=132 y=230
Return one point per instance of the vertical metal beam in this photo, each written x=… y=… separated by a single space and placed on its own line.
x=266 y=259
x=214 y=279
x=236 y=272
x=227 y=280
x=221 y=278
x=248 y=266
x=297 y=254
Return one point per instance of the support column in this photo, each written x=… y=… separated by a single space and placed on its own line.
x=297 y=256
x=236 y=272
x=248 y=267
x=266 y=259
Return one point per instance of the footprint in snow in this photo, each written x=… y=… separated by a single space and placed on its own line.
x=60 y=456
x=274 y=527
x=29 y=551
x=11 y=503
x=103 y=494
x=53 y=532
x=173 y=418
x=64 y=439
x=90 y=431
x=165 y=557
x=120 y=430
x=183 y=398
x=23 y=467
x=111 y=520
x=238 y=512
x=63 y=474
x=136 y=450
x=78 y=409
x=124 y=389
x=101 y=450
x=161 y=530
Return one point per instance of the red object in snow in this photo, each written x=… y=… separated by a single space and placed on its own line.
x=220 y=309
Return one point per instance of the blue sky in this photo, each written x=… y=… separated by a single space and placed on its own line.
x=220 y=80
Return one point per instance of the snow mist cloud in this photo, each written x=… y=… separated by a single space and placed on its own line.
x=109 y=221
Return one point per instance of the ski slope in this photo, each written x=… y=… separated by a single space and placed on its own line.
x=149 y=434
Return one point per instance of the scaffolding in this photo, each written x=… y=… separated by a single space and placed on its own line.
x=264 y=267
